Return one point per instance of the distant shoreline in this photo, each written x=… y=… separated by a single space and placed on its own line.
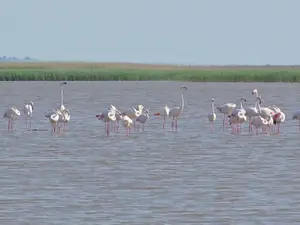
x=123 y=65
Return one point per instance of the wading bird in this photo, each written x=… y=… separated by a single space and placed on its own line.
x=177 y=111
x=143 y=118
x=164 y=113
x=11 y=114
x=28 y=110
x=212 y=115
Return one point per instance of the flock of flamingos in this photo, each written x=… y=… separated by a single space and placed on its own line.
x=268 y=119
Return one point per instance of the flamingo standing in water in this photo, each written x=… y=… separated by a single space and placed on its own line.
x=258 y=122
x=237 y=116
x=212 y=115
x=264 y=112
x=11 y=114
x=28 y=110
x=133 y=113
x=252 y=111
x=143 y=118
x=107 y=116
x=53 y=119
x=236 y=121
x=164 y=113
x=278 y=118
x=226 y=109
x=126 y=122
x=177 y=111
x=61 y=106
x=115 y=125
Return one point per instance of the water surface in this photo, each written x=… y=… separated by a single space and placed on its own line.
x=190 y=177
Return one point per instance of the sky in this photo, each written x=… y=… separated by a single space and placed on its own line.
x=192 y=32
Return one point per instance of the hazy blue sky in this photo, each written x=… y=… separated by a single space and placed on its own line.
x=153 y=31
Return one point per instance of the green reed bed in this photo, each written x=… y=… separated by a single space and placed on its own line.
x=197 y=75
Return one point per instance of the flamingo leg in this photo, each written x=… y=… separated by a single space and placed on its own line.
x=211 y=126
x=176 y=124
x=143 y=127
x=8 y=126
x=250 y=128
x=26 y=121
x=224 y=122
x=163 y=125
x=11 y=125
x=107 y=130
x=30 y=123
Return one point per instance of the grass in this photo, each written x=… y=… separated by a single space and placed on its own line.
x=80 y=71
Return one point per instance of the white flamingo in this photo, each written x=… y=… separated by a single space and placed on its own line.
x=278 y=118
x=270 y=123
x=126 y=122
x=164 y=113
x=107 y=116
x=236 y=121
x=66 y=116
x=11 y=114
x=226 y=109
x=235 y=110
x=252 y=111
x=133 y=113
x=118 y=117
x=177 y=111
x=212 y=115
x=61 y=106
x=53 y=119
x=143 y=118
x=28 y=110
x=258 y=122
x=264 y=112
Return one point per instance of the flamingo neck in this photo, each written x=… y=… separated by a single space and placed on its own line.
x=241 y=104
x=213 y=107
x=181 y=102
x=61 y=96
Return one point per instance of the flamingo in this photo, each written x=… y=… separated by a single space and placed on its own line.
x=237 y=120
x=118 y=117
x=143 y=118
x=66 y=116
x=226 y=109
x=164 y=113
x=278 y=118
x=264 y=112
x=212 y=116
x=270 y=123
x=252 y=111
x=127 y=122
x=133 y=113
x=235 y=110
x=53 y=119
x=177 y=111
x=258 y=122
x=62 y=107
x=106 y=117
x=28 y=109
x=11 y=114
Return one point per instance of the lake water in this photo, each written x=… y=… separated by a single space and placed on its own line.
x=80 y=176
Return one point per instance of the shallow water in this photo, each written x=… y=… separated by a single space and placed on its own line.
x=190 y=177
